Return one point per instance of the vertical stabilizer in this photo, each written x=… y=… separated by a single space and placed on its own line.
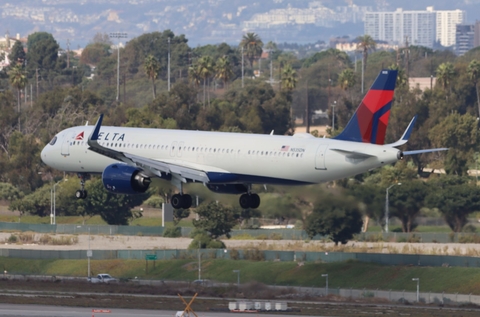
x=370 y=121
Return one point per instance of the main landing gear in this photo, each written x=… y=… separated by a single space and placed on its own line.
x=181 y=201
x=249 y=201
x=81 y=193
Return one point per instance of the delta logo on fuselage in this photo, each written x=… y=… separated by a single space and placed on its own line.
x=102 y=136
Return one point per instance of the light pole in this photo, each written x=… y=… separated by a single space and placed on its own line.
x=118 y=35
x=168 y=75
x=242 y=66
x=326 y=283
x=386 y=206
x=238 y=276
x=333 y=115
x=418 y=288
x=199 y=263
x=54 y=202
x=476 y=168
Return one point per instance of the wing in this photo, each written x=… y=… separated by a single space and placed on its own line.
x=180 y=170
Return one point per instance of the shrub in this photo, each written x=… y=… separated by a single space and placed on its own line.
x=12 y=239
x=254 y=255
x=172 y=232
x=234 y=254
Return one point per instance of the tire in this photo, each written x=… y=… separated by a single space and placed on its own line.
x=186 y=201
x=79 y=194
x=177 y=201
x=254 y=201
x=244 y=201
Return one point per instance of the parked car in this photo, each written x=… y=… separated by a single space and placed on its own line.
x=203 y=282
x=102 y=278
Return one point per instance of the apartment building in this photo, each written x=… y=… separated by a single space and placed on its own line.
x=464 y=38
x=423 y=27
x=395 y=27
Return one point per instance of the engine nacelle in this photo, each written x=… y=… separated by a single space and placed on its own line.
x=228 y=188
x=124 y=179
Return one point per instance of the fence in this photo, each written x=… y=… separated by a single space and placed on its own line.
x=257 y=255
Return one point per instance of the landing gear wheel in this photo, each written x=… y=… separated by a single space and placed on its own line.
x=186 y=201
x=177 y=201
x=254 y=201
x=81 y=194
x=244 y=201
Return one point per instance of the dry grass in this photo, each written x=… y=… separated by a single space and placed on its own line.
x=29 y=238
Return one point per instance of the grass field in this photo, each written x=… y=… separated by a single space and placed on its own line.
x=343 y=275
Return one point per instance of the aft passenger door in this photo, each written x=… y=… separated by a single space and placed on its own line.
x=320 y=157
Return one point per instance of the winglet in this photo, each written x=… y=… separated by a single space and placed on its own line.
x=406 y=134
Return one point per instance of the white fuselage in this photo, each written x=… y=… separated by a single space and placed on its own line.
x=263 y=159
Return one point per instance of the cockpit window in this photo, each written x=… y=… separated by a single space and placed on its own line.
x=53 y=140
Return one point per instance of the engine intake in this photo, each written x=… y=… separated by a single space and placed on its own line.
x=124 y=179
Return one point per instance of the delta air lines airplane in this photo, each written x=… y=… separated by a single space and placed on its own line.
x=128 y=158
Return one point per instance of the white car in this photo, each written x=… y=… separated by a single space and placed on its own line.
x=102 y=278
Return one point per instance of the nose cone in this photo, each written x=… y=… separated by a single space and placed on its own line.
x=45 y=155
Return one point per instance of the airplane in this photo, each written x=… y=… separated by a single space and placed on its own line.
x=230 y=163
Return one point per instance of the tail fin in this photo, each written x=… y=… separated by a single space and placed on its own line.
x=370 y=121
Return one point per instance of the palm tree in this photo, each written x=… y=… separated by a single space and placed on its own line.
x=346 y=79
x=194 y=76
x=365 y=44
x=206 y=67
x=252 y=45
x=289 y=78
x=152 y=67
x=445 y=74
x=473 y=70
x=223 y=70
x=19 y=80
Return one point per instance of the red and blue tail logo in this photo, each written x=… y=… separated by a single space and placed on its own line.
x=370 y=121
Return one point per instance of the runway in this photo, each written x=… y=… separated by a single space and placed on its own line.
x=12 y=310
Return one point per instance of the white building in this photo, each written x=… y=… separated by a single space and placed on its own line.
x=446 y=25
x=422 y=28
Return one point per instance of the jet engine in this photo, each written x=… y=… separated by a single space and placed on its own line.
x=124 y=179
x=228 y=188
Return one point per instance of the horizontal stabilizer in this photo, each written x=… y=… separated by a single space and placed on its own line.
x=406 y=134
x=353 y=154
x=424 y=151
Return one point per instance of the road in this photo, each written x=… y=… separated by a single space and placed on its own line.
x=54 y=311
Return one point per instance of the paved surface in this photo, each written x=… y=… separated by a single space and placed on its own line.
x=53 y=311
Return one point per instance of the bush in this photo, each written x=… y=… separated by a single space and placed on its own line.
x=173 y=232
x=154 y=202
x=12 y=239
x=254 y=255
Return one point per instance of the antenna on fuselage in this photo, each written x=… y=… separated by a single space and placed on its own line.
x=86 y=123
x=271 y=133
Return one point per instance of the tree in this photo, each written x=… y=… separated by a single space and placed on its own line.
x=460 y=134
x=456 y=202
x=18 y=79
x=152 y=67
x=93 y=53
x=216 y=219
x=335 y=216
x=18 y=55
x=113 y=209
x=42 y=51
x=289 y=78
x=252 y=46
x=206 y=66
x=445 y=74
x=372 y=197
x=346 y=80
x=365 y=44
x=223 y=70
x=406 y=201
x=473 y=70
